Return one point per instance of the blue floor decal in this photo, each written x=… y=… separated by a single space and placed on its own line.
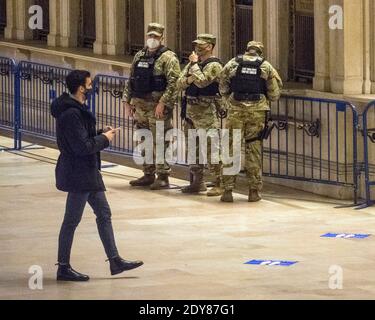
x=346 y=236
x=272 y=263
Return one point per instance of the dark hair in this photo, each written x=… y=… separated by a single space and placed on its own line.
x=75 y=79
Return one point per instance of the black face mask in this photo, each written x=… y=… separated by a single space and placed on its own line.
x=88 y=93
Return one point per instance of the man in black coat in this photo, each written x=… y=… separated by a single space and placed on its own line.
x=78 y=173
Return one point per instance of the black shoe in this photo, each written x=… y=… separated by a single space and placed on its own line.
x=66 y=273
x=119 y=265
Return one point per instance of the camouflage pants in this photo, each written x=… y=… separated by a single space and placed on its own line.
x=204 y=116
x=145 y=119
x=251 y=123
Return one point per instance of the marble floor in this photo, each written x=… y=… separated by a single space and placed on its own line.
x=193 y=247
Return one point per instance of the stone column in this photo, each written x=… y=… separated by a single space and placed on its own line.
x=101 y=13
x=214 y=16
x=367 y=39
x=164 y=12
x=18 y=20
x=322 y=73
x=271 y=27
x=258 y=18
x=347 y=50
x=53 y=39
x=372 y=45
x=69 y=22
x=110 y=27
x=64 y=15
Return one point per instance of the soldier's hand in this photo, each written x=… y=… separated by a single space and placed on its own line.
x=190 y=80
x=159 y=112
x=193 y=57
x=129 y=110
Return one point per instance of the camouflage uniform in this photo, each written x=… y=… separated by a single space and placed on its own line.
x=201 y=112
x=249 y=116
x=169 y=66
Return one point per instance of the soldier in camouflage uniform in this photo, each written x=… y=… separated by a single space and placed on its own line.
x=150 y=96
x=200 y=81
x=248 y=83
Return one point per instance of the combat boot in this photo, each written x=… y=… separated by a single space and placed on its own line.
x=162 y=182
x=254 y=195
x=217 y=190
x=227 y=196
x=145 y=181
x=198 y=185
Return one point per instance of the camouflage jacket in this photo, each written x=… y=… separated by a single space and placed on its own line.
x=167 y=65
x=201 y=78
x=269 y=73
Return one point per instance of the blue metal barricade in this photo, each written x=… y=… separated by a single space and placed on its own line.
x=369 y=151
x=39 y=85
x=108 y=109
x=314 y=140
x=8 y=95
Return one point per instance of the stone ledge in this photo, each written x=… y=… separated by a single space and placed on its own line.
x=120 y=64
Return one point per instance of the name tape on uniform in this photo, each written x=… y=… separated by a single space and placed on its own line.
x=272 y=263
x=346 y=235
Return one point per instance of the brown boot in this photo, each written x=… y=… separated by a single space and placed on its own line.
x=198 y=185
x=145 y=181
x=254 y=196
x=227 y=196
x=217 y=190
x=162 y=182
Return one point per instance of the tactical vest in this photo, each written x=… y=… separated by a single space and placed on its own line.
x=211 y=90
x=143 y=80
x=247 y=84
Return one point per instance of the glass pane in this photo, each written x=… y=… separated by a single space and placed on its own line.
x=3 y=16
x=188 y=26
x=244 y=24
x=136 y=23
x=304 y=41
x=87 y=26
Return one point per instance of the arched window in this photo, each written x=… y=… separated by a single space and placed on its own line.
x=302 y=60
x=86 y=24
x=186 y=27
x=242 y=18
x=42 y=34
x=135 y=24
x=3 y=16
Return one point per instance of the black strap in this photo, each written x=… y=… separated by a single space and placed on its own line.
x=240 y=60
x=208 y=61
x=160 y=52
x=157 y=55
x=266 y=132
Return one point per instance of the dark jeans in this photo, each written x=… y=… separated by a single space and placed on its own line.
x=75 y=206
